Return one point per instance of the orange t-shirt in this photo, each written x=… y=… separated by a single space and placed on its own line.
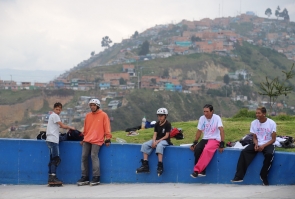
x=97 y=127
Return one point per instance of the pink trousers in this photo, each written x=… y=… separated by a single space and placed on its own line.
x=207 y=155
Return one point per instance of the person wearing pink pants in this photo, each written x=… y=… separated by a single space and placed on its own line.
x=211 y=125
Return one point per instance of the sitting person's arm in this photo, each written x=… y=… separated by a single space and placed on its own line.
x=273 y=139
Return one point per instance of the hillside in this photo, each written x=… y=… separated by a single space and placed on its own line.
x=184 y=68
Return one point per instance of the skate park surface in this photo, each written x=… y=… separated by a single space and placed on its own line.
x=148 y=190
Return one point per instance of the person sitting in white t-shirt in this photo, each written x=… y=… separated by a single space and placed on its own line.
x=264 y=130
x=211 y=125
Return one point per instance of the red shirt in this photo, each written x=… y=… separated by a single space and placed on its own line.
x=97 y=128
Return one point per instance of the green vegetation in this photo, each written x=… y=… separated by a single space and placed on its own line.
x=9 y=97
x=234 y=129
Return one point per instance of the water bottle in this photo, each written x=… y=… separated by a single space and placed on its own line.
x=143 y=123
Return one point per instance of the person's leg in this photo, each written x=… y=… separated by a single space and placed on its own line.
x=84 y=159
x=245 y=159
x=95 y=160
x=207 y=155
x=54 y=157
x=199 y=149
x=268 y=153
x=160 y=151
x=146 y=149
x=54 y=162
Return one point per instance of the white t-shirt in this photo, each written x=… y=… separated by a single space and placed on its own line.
x=210 y=127
x=264 y=130
x=52 y=131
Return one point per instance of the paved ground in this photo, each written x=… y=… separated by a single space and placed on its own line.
x=167 y=190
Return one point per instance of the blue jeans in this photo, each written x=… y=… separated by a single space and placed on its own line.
x=147 y=147
x=54 y=157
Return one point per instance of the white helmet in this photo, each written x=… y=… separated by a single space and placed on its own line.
x=95 y=101
x=162 y=111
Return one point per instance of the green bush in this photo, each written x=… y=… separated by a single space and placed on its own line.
x=245 y=113
x=283 y=118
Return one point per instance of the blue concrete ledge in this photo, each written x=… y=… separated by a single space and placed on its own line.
x=25 y=162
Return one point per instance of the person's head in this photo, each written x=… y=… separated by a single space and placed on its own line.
x=57 y=107
x=261 y=113
x=208 y=111
x=94 y=105
x=162 y=114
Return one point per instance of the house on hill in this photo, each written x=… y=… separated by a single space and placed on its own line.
x=128 y=68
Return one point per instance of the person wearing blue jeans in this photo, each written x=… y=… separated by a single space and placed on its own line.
x=52 y=140
x=161 y=139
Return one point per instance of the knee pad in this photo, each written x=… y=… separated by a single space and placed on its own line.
x=56 y=160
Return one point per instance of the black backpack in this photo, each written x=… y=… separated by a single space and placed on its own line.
x=74 y=135
x=248 y=139
x=41 y=136
x=288 y=143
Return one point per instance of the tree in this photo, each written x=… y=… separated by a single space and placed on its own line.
x=268 y=12
x=106 y=41
x=122 y=81
x=277 y=13
x=276 y=87
x=154 y=81
x=194 y=38
x=241 y=77
x=145 y=48
x=226 y=79
x=92 y=53
x=135 y=35
x=166 y=73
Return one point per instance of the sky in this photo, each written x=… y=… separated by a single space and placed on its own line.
x=56 y=35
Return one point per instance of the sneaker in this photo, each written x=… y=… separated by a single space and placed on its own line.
x=237 y=179
x=264 y=181
x=84 y=179
x=53 y=179
x=95 y=180
x=202 y=174
x=194 y=174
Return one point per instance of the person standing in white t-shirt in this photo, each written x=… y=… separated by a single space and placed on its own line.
x=52 y=141
x=211 y=125
x=264 y=135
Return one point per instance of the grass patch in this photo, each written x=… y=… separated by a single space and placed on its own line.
x=234 y=131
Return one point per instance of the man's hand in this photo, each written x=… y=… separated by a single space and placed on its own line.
x=221 y=150
x=154 y=145
x=192 y=148
x=81 y=143
x=221 y=146
x=260 y=148
x=256 y=147
x=107 y=142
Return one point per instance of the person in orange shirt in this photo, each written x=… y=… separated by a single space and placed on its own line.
x=97 y=131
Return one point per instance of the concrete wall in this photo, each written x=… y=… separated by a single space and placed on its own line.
x=25 y=162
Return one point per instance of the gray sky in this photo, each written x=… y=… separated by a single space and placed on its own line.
x=58 y=34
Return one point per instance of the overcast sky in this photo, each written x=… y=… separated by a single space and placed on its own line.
x=58 y=34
